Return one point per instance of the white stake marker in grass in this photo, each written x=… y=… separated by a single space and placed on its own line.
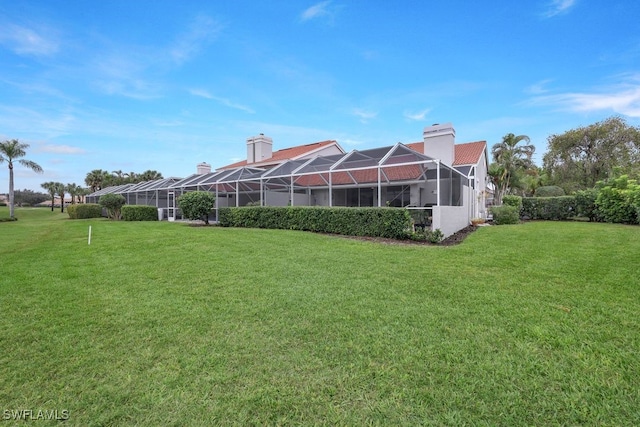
x=89 y=242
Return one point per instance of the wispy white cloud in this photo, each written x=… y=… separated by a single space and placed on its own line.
x=417 y=116
x=538 y=88
x=27 y=41
x=202 y=31
x=558 y=7
x=318 y=10
x=202 y=93
x=623 y=98
x=60 y=149
x=364 y=115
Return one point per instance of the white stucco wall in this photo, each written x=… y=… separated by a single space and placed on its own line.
x=450 y=219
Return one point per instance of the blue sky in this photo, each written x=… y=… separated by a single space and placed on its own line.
x=164 y=85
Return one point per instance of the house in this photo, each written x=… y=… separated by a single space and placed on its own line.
x=436 y=178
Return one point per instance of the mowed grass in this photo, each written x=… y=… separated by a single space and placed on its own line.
x=167 y=324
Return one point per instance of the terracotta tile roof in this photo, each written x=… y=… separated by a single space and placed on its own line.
x=469 y=153
x=465 y=154
x=364 y=176
x=283 y=155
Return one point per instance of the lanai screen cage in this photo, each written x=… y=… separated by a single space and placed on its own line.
x=395 y=176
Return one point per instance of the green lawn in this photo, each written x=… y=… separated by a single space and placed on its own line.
x=165 y=324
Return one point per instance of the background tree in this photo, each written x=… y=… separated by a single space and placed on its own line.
x=150 y=175
x=81 y=192
x=73 y=189
x=61 y=190
x=196 y=205
x=11 y=150
x=50 y=186
x=579 y=158
x=28 y=197
x=510 y=161
x=95 y=179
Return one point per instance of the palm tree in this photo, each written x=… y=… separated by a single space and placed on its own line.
x=95 y=179
x=11 y=150
x=81 y=192
x=132 y=177
x=150 y=175
x=509 y=160
x=61 y=189
x=119 y=177
x=73 y=189
x=50 y=186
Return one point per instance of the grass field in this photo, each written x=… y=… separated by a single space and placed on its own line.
x=165 y=324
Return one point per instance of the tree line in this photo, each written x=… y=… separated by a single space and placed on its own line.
x=98 y=179
x=576 y=160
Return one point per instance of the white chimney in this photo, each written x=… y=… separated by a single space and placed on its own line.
x=203 y=168
x=259 y=148
x=439 y=142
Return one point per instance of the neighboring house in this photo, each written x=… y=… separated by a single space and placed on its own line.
x=444 y=181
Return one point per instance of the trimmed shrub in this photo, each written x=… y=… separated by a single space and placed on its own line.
x=549 y=208
x=505 y=214
x=619 y=200
x=3 y=203
x=374 y=222
x=139 y=213
x=113 y=203
x=549 y=191
x=427 y=235
x=515 y=201
x=586 y=204
x=84 y=211
x=196 y=205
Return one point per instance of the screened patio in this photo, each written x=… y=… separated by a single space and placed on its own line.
x=394 y=176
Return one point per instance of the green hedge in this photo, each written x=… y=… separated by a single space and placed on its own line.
x=83 y=211
x=374 y=222
x=549 y=208
x=139 y=213
x=586 y=204
x=505 y=214
x=511 y=200
x=549 y=191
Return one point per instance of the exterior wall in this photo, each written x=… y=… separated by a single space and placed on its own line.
x=450 y=219
x=324 y=151
x=481 y=185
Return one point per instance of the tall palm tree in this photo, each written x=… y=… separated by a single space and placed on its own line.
x=73 y=190
x=510 y=159
x=11 y=150
x=50 y=186
x=61 y=190
x=82 y=191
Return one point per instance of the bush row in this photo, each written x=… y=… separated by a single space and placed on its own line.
x=374 y=222
x=549 y=208
x=616 y=200
x=139 y=213
x=83 y=211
